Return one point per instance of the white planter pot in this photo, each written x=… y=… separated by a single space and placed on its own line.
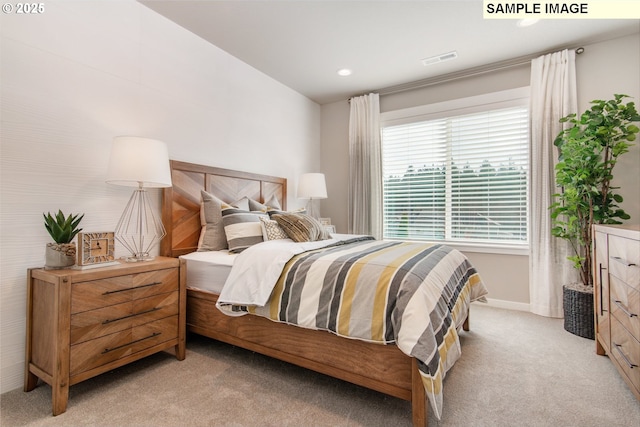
x=58 y=256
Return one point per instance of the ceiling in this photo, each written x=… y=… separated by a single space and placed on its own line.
x=303 y=43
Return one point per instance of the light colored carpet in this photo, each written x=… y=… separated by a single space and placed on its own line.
x=517 y=369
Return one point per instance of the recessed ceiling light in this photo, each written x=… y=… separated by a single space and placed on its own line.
x=344 y=72
x=527 y=22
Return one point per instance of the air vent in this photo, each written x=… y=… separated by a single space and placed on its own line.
x=440 y=58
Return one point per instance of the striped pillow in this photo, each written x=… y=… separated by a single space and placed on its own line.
x=242 y=228
x=301 y=227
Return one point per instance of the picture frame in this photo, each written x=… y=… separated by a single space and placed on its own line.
x=325 y=221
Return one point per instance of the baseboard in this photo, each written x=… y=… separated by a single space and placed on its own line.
x=510 y=305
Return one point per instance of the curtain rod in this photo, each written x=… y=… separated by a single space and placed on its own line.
x=470 y=72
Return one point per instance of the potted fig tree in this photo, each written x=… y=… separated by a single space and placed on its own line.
x=588 y=153
x=62 y=253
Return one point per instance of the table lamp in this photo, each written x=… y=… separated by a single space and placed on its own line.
x=312 y=186
x=141 y=163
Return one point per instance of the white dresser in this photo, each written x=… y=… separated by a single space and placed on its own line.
x=616 y=254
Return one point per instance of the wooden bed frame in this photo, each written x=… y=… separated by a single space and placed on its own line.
x=379 y=367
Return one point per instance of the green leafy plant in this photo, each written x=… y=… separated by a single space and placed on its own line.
x=589 y=151
x=62 y=229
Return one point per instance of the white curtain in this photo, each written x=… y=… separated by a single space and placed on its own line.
x=553 y=96
x=365 y=166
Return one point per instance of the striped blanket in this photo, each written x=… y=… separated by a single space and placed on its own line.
x=412 y=294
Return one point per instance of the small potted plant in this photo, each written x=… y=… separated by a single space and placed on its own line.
x=62 y=253
x=589 y=150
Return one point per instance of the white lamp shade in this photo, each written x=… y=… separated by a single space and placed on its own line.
x=139 y=161
x=312 y=186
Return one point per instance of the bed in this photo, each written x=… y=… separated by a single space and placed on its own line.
x=384 y=368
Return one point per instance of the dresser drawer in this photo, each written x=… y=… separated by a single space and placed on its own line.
x=100 y=351
x=103 y=321
x=115 y=290
x=625 y=349
x=625 y=305
x=624 y=260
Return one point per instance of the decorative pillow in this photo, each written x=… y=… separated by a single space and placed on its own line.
x=272 y=211
x=242 y=203
x=212 y=236
x=255 y=206
x=271 y=230
x=242 y=228
x=301 y=227
x=273 y=203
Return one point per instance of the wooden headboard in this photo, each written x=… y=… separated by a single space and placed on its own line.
x=181 y=203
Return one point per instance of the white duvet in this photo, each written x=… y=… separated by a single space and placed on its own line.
x=256 y=270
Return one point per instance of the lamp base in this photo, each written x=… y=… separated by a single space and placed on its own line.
x=138 y=229
x=138 y=258
x=312 y=210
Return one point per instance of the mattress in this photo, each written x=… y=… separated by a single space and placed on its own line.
x=208 y=270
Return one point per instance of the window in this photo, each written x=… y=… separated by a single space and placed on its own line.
x=460 y=174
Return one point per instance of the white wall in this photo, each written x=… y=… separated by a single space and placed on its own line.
x=603 y=69
x=83 y=72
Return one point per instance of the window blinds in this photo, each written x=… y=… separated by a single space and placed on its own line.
x=461 y=178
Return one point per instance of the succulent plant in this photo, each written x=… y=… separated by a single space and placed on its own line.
x=62 y=229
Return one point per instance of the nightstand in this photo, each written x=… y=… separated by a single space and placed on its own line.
x=326 y=223
x=331 y=229
x=82 y=323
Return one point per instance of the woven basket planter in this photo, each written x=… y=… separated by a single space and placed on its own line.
x=578 y=311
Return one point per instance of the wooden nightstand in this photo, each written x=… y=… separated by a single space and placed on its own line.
x=81 y=323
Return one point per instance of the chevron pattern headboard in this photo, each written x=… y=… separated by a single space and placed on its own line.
x=181 y=202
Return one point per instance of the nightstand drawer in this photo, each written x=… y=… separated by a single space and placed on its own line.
x=626 y=351
x=98 y=352
x=103 y=321
x=115 y=290
x=624 y=255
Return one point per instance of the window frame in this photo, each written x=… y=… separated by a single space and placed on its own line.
x=463 y=106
